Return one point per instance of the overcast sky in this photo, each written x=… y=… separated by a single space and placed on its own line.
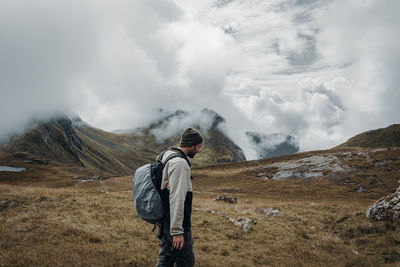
x=320 y=70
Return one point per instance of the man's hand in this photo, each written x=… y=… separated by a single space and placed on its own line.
x=177 y=242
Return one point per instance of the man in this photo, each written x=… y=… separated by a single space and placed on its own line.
x=175 y=235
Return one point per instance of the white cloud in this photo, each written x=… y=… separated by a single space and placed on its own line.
x=320 y=70
x=174 y=125
x=364 y=33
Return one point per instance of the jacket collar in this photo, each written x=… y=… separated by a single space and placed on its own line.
x=183 y=154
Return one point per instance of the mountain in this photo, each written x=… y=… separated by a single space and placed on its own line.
x=383 y=137
x=272 y=145
x=72 y=143
x=166 y=132
x=317 y=200
x=68 y=147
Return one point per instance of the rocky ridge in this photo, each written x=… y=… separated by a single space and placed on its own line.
x=219 y=148
x=69 y=141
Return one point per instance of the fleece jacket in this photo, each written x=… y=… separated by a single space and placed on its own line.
x=176 y=179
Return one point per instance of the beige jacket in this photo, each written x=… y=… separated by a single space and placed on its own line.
x=176 y=178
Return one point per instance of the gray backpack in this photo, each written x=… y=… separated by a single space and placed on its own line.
x=146 y=189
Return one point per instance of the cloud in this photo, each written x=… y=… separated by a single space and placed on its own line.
x=114 y=64
x=320 y=71
x=364 y=33
x=35 y=67
x=306 y=106
x=272 y=145
x=179 y=121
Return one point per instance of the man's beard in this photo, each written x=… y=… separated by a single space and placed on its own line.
x=191 y=153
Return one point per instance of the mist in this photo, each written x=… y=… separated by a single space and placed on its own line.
x=321 y=71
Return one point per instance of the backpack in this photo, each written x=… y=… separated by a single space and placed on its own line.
x=146 y=188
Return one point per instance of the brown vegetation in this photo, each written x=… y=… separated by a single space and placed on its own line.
x=47 y=218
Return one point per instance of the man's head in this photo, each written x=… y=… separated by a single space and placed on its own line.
x=191 y=142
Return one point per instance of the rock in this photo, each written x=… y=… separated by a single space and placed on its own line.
x=309 y=167
x=94 y=178
x=386 y=208
x=244 y=223
x=229 y=199
x=264 y=175
x=268 y=212
x=361 y=190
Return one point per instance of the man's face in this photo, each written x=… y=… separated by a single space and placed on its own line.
x=194 y=150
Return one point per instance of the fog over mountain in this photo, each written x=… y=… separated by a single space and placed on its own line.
x=318 y=70
x=273 y=145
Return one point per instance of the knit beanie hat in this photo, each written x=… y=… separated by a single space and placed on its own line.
x=190 y=137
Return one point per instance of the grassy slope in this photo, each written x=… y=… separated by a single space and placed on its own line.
x=94 y=223
x=59 y=141
x=384 y=137
x=121 y=152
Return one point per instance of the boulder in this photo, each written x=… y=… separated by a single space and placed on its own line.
x=245 y=224
x=229 y=199
x=268 y=212
x=386 y=208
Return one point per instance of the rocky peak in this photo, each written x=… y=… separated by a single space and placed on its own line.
x=219 y=147
x=272 y=145
x=51 y=138
x=205 y=120
x=216 y=118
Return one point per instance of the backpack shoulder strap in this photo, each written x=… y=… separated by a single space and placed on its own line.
x=159 y=158
x=174 y=155
x=182 y=154
x=178 y=153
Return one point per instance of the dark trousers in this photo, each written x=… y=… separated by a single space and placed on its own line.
x=168 y=255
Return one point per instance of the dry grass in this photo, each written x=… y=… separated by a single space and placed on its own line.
x=74 y=226
x=94 y=223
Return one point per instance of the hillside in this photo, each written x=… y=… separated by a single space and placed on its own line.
x=306 y=209
x=74 y=143
x=70 y=143
x=384 y=137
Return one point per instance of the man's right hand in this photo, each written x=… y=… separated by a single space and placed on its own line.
x=177 y=242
